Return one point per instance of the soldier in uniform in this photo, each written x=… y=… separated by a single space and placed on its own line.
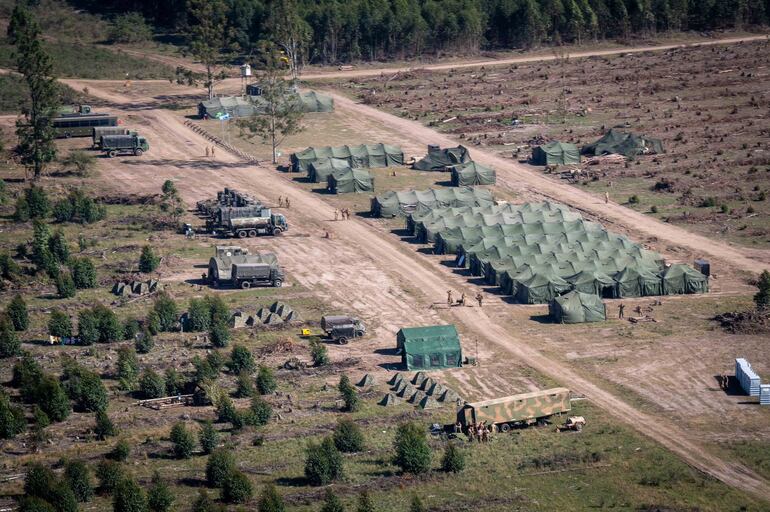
x=449 y=297
x=336 y=214
x=621 y=309
x=462 y=299
x=207 y=152
x=288 y=205
x=280 y=201
x=479 y=298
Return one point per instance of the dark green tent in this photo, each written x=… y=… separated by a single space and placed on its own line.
x=439 y=159
x=429 y=348
x=364 y=155
x=351 y=180
x=471 y=173
x=320 y=170
x=576 y=307
x=622 y=143
x=637 y=282
x=541 y=288
x=391 y=204
x=593 y=282
x=680 y=278
x=554 y=153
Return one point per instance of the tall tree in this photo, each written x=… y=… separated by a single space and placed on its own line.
x=290 y=32
x=35 y=132
x=208 y=37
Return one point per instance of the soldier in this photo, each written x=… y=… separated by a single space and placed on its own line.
x=449 y=297
x=458 y=427
x=280 y=201
x=207 y=151
x=287 y=204
x=336 y=214
x=479 y=298
x=213 y=151
x=462 y=299
x=621 y=309
x=606 y=198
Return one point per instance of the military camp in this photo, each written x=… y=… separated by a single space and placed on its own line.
x=439 y=159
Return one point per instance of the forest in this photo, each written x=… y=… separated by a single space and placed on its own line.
x=336 y=31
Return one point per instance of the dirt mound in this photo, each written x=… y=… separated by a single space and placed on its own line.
x=745 y=322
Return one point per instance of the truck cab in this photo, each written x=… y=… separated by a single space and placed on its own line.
x=342 y=329
x=279 y=223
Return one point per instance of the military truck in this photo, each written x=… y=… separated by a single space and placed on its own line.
x=265 y=223
x=517 y=410
x=342 y=329
x=99 y=131
x=114 y=145
x=247 y=274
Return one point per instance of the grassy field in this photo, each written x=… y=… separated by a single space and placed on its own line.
x=15 y=94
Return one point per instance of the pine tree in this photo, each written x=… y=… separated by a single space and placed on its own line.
x=270 y=500
x=78 y=477
x=59 y=324
x=65 y=286
x=762 y=297
x=241 y=360
x=266 y=384
x=83 y=273
x=120 y=451
x=219 y=334
x=220 y=464
x=416 y=505
x=152 y=385
x=259 y=412
x=332 y=503
x=104 y=427
x=10 y=345
x=323 y=462
x=318 y=353
x=413 y=455
x=12 y=420
x=17 y=312
x=127 y=367
x=184 y=442
x=365 y=503
x=109 y=473
x=148 y=261
x=198 y=316
x=52 y=399
x=208 y=29
x=237 y=488
x=159 y=497
x=128 y=497
x=165 y=312
x=209 y=437
x=453 y=460
x=348 y=437
x=59 y=247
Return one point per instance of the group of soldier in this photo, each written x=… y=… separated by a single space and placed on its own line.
x=461 y=301
x=283 y=202
x=345 y=212
x=480 y=432
x=210 y=151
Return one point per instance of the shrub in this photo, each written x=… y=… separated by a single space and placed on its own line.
x=152 y=385
x=78 y=477
x=184 y=442
x=26 y=375
x=203 y=369
x=127 y=367
x=270 y=500
x=198 y=316
x=159 y=497
x=12 y=420
x=266 y=381
x=349 y=394
x=218 y=310
x=121 y=451
x=724 y=208
x=653 y=209
x=204 y=503
x=41 y=252
x=85 y=388
x=63 y=211
x=332 y=503
x=110 y=328
x=81 y=162
x=708 y=202
x=59 y=324
x=219 y=333
x=34 y=504
x=52 y=399
x=348 y=437
x=227 y=413
x=174 y=382
x=59 y=248
x=259 y=412
x=416 y=505
x=88 y=327
x=40 y=418
x=241 y=360
x=63 y=498
x=244 y=386
x=17 y=313
x=323 y=462
x=128 y=497
x=65 y=286
x=220 y=464
x=209 y=437
x=237 y=488
x=9 y=269
x=634 y=199
x=165 y=311
x=453 y=460
x=78 y=207
x=39 y=481
x=413 y=455
x=10 y=345
x=83 y=273
x=365 y=503
x=131 y=327
x=762 y=297
x=34 y=204
x=109 y=473
x=130 y=27
x=104 y=427
x=319 y=353
x=143 y=341
x=148 y=261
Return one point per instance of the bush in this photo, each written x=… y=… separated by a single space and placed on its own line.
x=52 y=399
x=653 y=209
x=9 y=269
x=227 y=413
x=165 y=312
x=148 y=261
x=413 y=455
x=83 y=273
x=104 y=427
x=349 y=394
x=26 y=375
x=59 y=324
x=88 y=327
x=127 y=367
x=40 y=418
x=109 y=473
x=17 y=313
x=131 y=327
x=348 y=437
x=259 y=412
x=85 y=388
x=63 y=498
x=241 y=360
x=453 y=460
x=266 y=384
x=634 y=199
x=128 y=497
x=110 y=328
x=81 y=162
x=724 y=208
x=198 y=316
x=208 y=437
x=220 y=464
x=184 y=442
x=34 y=204
x=708 y=202
x=174 y=382
x=203 y=369
x=39 y=481
x=143 y=341
x=218 y=310
x=332 y=503
x=59 y=248
x=244 y=387
x=416 y=505
x=41 y=251
x=34 y=504
x=65 y=286
x=219 y=333
x=319 y=353
x=762 y=297
x=270 y=500
x=78 y=477
x=152 y=385
x=63 y=211
x=12 y=419
x=78 y=207
x=237 y=488
x=10 y=345
x=121 y=451
x=323 y=462
x=204 y=503
x=159 y=497
x=130 y=27
x=365 y=503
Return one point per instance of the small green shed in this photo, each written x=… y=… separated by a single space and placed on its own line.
x=429 y=348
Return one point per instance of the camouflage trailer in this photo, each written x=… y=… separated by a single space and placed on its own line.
x=516 y=410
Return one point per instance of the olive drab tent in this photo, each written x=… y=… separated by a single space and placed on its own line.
x=364 y=155
x=622 y=143
x=576 y=307
x=637 y=282
x=391 y=204
x=314 y=102
x=553 y=153
x=439 y=159
x=541 y=288
x=320 y=170
x=679 y=279
x=429 y=348
x=471 y=173
x=245 y=106
x=593 y=282
x=351 y=180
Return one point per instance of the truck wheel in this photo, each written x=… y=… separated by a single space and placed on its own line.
x=359 y=334
x=112 y=154
x=243 y=234
x=138 y=152
x=505 y=427
x=277 y=283
x=277 y=231
x=67 y=135
x=342 y=340
x=253 y=232
x=245 y=285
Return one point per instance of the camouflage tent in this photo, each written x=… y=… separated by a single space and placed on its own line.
x=679 y=278
x=350 y=180
x=622 y=143
x=391 y=204
x=364 y=155
x=439 y=159
x=320 y=170
x=471 y=173
x=577 y=307
x=634 y=281
x=554 y=153
x=429 y=348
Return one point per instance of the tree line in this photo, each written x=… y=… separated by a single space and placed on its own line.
x=333 y=31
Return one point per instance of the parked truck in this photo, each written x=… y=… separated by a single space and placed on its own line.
x=265 y=222
x=99 y=131
x=517 y=410
x=245 y=275
x=132 y=144
x=342 y=329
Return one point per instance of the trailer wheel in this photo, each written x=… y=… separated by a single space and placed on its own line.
x=243 y=234
x=277 y=283
x=252 y=232
x=245 y=285
x=138 y=152
x=112 y=153
x=505 y=427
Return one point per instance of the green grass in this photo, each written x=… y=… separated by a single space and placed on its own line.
x=15 y=94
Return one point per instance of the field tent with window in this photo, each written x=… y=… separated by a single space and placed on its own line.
x=429 y=348
x=320 y=170
x=392 y=204
x=577 y=307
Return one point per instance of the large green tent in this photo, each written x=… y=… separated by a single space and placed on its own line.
x=245 y=106
x=554 y=153
x=351 y=180
x=680 y=278
x=593 y=282
x=541 y=288
x=471 y=173
x=429 y=348
x=439 y=159
x=577 y=307
x=364 y=155
x=320 y=170
x=622 y=143
x=391 y=204
x=634 y=281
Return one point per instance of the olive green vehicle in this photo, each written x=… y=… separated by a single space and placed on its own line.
x=517 y=410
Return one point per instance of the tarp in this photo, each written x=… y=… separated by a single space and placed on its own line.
x=554 y=153
x=440 y=159
x=429 y=348
x=680 y=278
x=392 y=204
x=634 y=281
x=364 y=155
x=622 y=143
x=576 y=307
x=320 y=170
x=245 y=106
x=350 y=180
x=471 y=173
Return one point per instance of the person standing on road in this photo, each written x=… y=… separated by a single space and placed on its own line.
x=213 y=148
x=449 y=297
x=207 y=151
x=606 y=198
x=621 y=310
x=336 y=214
x=479 y=298
x=462 y=299
x=287 y=204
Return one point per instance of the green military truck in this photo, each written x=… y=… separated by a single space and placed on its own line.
x=132 y=144
x=99 y=131
x=248 y=274
x=517 y=410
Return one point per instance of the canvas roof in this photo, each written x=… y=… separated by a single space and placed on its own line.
x=245 y=106
x=429 y=348
x=623 y=143
x=319 y=170
x=351 y=180
x=680 y=278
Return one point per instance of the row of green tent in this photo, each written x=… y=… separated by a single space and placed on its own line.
x=613 y=142
x=392 y=204
x=245 y=106
x=364 y=155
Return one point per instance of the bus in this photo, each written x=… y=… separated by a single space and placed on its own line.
x=81 y=125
